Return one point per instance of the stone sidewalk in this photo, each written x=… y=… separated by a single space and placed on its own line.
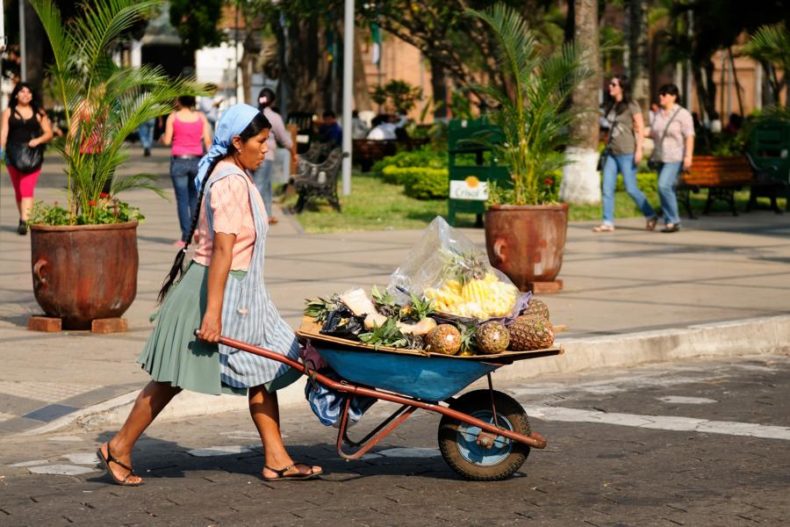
x=720 y=286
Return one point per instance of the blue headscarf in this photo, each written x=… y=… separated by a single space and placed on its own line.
x=233 y=122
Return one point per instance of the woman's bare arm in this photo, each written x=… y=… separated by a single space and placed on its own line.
x=221 y=258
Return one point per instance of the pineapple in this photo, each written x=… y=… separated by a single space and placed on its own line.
x=492 y=337
x=537 y=308
x=444 y=339
x=530 y=333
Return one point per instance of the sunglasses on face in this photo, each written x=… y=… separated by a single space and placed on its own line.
x=613 y=84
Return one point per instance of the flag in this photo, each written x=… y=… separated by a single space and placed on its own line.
x=375 y=35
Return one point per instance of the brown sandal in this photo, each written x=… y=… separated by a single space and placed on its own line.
x=105 y=461
x=604 y=227
x=298 y=475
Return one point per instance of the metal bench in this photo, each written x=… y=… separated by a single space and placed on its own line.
x=769 y=153
x=318 y=180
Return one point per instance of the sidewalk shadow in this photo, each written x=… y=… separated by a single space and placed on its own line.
x=18 y=320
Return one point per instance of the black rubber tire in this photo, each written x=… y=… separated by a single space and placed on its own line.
x=507 y=409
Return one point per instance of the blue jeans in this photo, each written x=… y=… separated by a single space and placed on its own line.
x=263 y=181
x=623 y=164
x=146 y=133
x=667 y=180
x=183 y=172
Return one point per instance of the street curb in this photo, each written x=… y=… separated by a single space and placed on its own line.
x=768 y=335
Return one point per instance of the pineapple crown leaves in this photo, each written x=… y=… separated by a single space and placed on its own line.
x=468 y=333
x=384 y=302
x=421 y=306
x=387 y=334
x=319 y=308
x=464 y=266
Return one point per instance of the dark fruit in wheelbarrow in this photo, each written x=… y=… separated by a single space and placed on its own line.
x=531 y=333
x=444 y=339
x=492 y=337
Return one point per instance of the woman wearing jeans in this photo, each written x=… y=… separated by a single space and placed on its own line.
x=626 y=128
x=673 y=134
x=188 y=131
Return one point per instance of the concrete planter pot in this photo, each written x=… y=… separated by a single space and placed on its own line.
x=84 y=272
x=527 y=244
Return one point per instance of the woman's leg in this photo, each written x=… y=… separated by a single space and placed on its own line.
x=628 y=169
x=667 y=178
x=265 y=414
x=192 y=189
x=609 y=184
x=152 y=400
x=16 y=182
x=179 y=174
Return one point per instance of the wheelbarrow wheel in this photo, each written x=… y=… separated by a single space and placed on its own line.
x=458 y=440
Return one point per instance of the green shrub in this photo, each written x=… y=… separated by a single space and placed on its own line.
x=646 y=181
x=426 y=182
x=395 y=175
x=424 y=157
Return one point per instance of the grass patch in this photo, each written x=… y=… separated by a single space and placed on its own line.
x=377 y=205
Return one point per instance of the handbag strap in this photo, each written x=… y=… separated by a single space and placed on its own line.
x=666 y=128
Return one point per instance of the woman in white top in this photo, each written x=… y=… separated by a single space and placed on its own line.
x=672 y=132
x=279 y=135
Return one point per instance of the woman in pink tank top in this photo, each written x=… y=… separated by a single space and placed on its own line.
x=187 y=132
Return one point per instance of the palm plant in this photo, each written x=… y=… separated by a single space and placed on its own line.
x=533 y=110
x=771 y=46
x=103 y=103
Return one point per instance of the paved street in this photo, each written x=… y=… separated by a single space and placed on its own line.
x=704 y=443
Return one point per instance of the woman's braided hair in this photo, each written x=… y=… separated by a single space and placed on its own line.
x=256 y=126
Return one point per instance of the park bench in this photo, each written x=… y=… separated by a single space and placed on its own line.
x=721 y=175
x=318 y=180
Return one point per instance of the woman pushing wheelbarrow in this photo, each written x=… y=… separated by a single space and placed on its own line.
x=221 y=292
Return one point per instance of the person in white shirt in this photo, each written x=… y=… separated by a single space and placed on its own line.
x=383 y=130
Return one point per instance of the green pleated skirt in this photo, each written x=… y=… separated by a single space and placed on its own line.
x=173 y=353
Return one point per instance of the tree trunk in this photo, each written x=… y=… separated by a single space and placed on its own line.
x=439 y=85
x=639 y=65
x=305 y=69
x=580 y=182
x=362 y=100
x=35 y=40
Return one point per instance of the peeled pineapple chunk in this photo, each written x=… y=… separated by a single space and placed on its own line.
x=478 y=298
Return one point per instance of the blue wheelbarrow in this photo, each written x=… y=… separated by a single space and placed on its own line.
x=484 y=435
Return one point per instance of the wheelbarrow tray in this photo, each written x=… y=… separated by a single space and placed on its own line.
x=416 y=373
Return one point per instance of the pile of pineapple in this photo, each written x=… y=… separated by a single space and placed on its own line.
x=531 y=330
x=380 y=321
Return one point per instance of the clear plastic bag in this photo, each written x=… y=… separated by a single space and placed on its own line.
x=452 y=271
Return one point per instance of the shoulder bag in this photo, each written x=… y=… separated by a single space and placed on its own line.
x=24 y=158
